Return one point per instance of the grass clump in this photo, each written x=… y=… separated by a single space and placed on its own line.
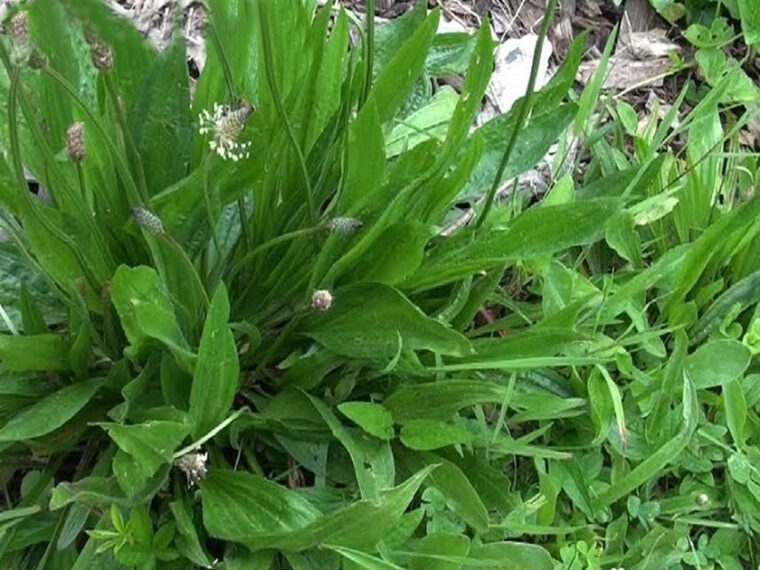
x=247 y=328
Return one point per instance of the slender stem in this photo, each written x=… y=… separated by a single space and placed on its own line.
x=209 y=212
x=198 y=443
x=87 y=195
x=121 y=118
x=522 y=113
x=271 y=80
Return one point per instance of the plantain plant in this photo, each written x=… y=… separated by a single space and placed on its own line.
x=279 y=317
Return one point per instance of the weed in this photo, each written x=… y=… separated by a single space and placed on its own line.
x=238 y=335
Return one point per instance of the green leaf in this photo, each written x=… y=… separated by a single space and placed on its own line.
x=717 y=363
x=669 y=9
x=187 y=538
x=161 y=124
x=534 y=233
x=237 y=557
x=132 y=475
x=35 y=352
x=450 y=54
x=509 y=556
x=151 y=444
x=617 y=404
x=76 y=519
x=621 y=235
x=215 y=380
x=441 y=400
x=405 y=528
x=146 y=311
x=362 y=559
x=91 y=491
x=31 y=315
x=429 y=122
x=563 y=79
x=736 y=411
x=51 y=412
x=180 y=278
x=80 y=353
x=658 y=460
x=750 y=14
x=399 y=76
x=452 y=483
x=628 y=117
x=329 y=80
x=21 y=285
x=375 y=419
x=236 y=31
x=436 y=551
x=366 y=320
x=707 y=245
x=20 y=512
x=360 y=525
x=366 y=163
x=590 y=96
x=396 y=254
x=261 y=514
x=393 y=34
x=479 y=72
x=57 y=241
x=50 y=28
x=600 y=402
x=364 y=477
x=533 y=142
x=239 y=506
x=425 y=435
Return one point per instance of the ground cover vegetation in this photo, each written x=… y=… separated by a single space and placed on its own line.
x=294 y=314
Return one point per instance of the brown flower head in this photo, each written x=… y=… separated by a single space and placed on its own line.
x=21 y=41
x=76 y=147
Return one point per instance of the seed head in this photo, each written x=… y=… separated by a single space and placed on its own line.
x=225 y=125
x=20 y=27
x=344 y=226
x=21 y=41
x=76 y=147
x=37 y=60
x=193 y=465
x=321 y=300
x=102 y=56
x=147 y=220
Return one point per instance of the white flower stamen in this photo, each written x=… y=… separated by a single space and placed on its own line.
x=193 y=465
x=321 y=300
x=225 y=125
